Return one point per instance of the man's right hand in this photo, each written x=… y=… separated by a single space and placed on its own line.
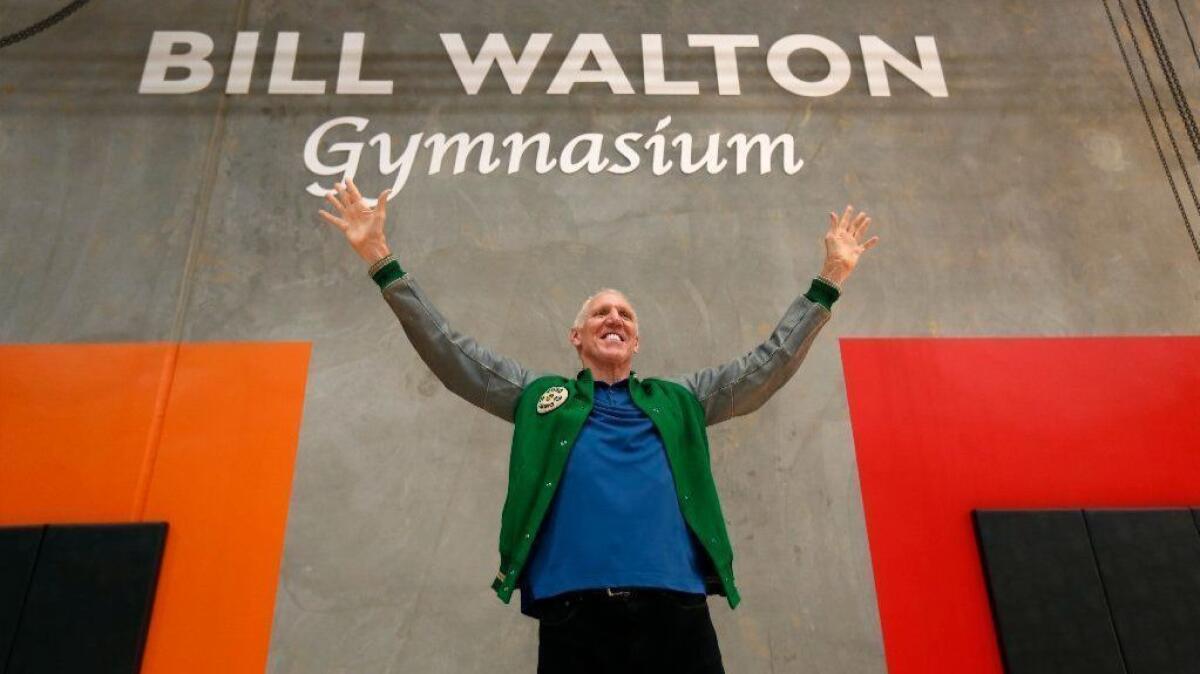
x=362 y=225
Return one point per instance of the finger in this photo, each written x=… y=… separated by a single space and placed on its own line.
x=862 y=229
x=342 y=195
x=355 y=196
x=857 y=224
x=870 y=243
x=339 y=198
x=336 y=204
x=333 y=219
x=845 y=221
x=381 y=205
x=833 y=220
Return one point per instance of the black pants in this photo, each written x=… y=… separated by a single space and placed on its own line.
x=644 y=631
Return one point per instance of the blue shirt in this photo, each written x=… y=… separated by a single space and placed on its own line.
x=615 y=520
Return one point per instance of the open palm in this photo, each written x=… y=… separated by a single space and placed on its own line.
x=362 y=225
x=841 y=241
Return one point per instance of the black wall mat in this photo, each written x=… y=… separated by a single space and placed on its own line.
x=1150 y=564
x=88 y=606
x=18 y=552
x=1047 y=598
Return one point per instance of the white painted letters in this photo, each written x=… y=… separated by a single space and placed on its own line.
x=839 y=65
x=725 y=54
x=516 y=72
x=928 y=75
x=350 y=69
x=284 y=66
x=160 y=59
x=571 y=71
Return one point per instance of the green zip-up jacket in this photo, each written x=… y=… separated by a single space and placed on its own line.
x=680 y=408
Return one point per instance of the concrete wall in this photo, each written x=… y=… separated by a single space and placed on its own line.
x=1028 y=202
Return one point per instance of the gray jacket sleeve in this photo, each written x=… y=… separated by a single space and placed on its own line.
x=487 y=380
x=743 y=385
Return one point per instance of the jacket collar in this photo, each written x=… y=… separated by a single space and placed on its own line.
x=586 y=385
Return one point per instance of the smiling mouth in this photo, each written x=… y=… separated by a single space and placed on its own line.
x=611 y=337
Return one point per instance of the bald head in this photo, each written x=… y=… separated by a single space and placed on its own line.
x=583 y=310
x=605 y=335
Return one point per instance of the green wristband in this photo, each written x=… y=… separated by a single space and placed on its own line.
x=822 y=293
x=387 y=274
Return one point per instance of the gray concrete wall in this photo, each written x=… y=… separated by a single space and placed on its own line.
x=1028 y=202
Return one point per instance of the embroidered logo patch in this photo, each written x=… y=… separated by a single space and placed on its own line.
x=554 y=397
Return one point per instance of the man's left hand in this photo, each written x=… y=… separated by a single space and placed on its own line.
x=842 y=248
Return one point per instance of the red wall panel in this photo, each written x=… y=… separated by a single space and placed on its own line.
x=943 y=426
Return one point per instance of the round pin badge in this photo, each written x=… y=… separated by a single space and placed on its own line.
x=554 y=397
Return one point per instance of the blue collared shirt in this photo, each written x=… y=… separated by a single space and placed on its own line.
x=615 y=520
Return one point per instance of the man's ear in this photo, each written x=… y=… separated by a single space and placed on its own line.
x=637 y=341
x=574 y=338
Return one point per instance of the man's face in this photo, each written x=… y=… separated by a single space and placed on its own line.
x=609 y=334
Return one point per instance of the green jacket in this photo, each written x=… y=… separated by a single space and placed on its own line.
x=679 y=407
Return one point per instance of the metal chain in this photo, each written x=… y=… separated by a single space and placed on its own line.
x=1168 y=68
x=1183 y=20
x=26 y=33
x=1146 y=115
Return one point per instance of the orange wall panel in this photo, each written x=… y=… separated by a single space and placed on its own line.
x=222 y=479
x=202 y=436
x=74 y=425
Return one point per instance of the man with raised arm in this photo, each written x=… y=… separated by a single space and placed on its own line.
x=611 y=528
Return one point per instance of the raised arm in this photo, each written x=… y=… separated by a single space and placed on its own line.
x=744 y=384
x=487 y=380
